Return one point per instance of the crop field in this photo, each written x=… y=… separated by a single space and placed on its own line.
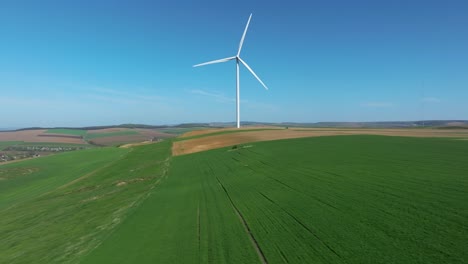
x=180 y=130
x=340 y=199
x=39 y=135
x=114 y=136
x=100 y=133
x=329 y=199
x=211 y=131
x=73 y=132
x=57 y=209
x=5 y=144
x=100 y=137
x=111 y=134
x=195 y=141
x=118 y=140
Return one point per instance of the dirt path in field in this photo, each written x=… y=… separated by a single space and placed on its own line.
x=136 y=144
x=14 y=161
x=223 y=140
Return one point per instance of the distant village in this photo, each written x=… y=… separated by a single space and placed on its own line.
x=18 y=152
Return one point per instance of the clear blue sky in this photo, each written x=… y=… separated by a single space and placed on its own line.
x=79 y=63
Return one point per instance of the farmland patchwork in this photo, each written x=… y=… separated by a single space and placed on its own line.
x=349 y=199
x=335 y=199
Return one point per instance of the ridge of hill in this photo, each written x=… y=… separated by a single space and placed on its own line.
x=328 y=199
x=376 y=124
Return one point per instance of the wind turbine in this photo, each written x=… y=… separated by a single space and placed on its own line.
x=238 y=59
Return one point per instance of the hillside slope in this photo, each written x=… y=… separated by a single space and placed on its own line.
x=346 y=199
x=56 y=209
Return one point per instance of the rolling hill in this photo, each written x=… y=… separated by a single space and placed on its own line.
x=346 y=198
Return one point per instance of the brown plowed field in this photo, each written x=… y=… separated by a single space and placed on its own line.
x=153 y=133
x=224 y=140
x=35 y=136
x=114 y=140
x=214 y=130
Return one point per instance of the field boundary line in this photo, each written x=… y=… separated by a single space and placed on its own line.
x=255 y=244
x=87 y=175
x=19 y=160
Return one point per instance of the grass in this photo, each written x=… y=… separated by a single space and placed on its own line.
x=110 y=134
x=342 y=199
x=5 y=144
x=73 y=132
x=186 y=220
x=339 y=199
x=30 y=178
x=57 y=209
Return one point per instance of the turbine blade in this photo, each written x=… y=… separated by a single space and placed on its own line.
x=243 y=36
x=251 y=71
x=215 y=61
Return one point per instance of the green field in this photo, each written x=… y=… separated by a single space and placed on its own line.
x=180 y=130
x=353 y=199
x=56 y=209
x=111 y=134
x=72 y=132
x=340 y=199
x=5 y=144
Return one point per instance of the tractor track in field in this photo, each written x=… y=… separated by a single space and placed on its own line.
x=255 y=244
x=198 y=231
x=302 y=224
x=286 y=185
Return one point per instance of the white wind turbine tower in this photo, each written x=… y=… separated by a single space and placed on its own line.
x=238 y=59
